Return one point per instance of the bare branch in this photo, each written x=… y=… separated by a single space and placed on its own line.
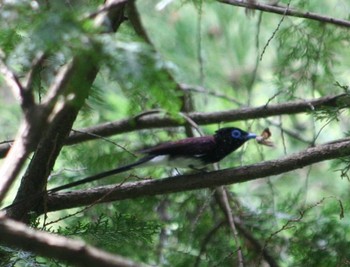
x=198 y=181
x=288 y=12
x=204 y=118
x=153 y=120
x=49 y=245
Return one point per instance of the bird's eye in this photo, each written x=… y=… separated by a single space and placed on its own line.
x=236 y=134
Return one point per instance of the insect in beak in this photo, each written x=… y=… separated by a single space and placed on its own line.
x=262 y=139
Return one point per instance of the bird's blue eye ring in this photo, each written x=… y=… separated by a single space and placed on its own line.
x=236 y=134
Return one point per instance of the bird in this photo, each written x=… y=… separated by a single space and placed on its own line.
x=192 y=152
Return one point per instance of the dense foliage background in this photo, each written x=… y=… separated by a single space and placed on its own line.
x=171 y=58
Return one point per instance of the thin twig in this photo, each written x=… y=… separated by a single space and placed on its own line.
x=107 y=140
x=289 y=132
x=199 y=43
x=192 y=123
x=290 y=12
x=228 y=214
x=275 y=31
x=289 y=223
x=201 y=89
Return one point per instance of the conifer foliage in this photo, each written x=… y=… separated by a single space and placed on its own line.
x=84 y=85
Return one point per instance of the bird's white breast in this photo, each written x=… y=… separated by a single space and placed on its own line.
x=175 y=162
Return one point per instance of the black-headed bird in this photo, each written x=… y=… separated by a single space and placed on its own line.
x=193 y=152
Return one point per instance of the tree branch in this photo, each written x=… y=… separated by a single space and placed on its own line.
x=27 y=134
x=201 y=118
x=49 y=245
x=182 y=183
x=287 y=12
x=73 y=83
x=205 y=118
x=30 y=130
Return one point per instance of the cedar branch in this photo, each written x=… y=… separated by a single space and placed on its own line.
x=46 y=244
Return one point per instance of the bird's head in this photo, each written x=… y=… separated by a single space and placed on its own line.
x=231 y=135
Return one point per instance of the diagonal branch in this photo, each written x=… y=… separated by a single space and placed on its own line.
x=49 y=245
x=200 y=180
x=25 y=142
x=287 y=12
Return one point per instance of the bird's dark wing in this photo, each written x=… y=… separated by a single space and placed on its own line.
x=187 y=147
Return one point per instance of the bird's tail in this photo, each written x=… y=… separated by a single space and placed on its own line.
x=88 y=179
x=101 y=175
